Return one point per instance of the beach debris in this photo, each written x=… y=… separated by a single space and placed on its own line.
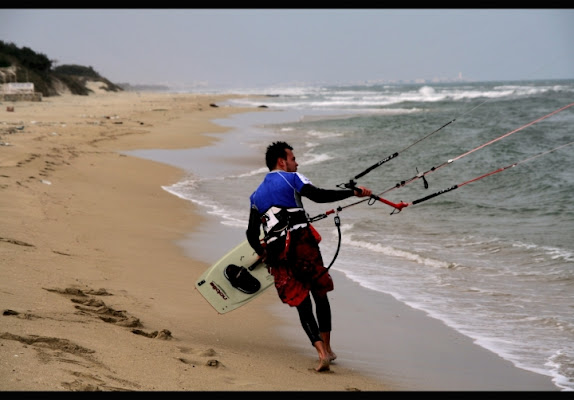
x=213 y=105
x=45 y=182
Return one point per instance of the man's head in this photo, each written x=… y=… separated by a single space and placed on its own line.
x=279 y=155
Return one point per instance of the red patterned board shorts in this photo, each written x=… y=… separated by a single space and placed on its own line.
x=300 y=268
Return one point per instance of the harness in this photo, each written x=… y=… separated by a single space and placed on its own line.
x=277 y=221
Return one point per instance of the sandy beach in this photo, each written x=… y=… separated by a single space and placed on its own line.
x=97 y=294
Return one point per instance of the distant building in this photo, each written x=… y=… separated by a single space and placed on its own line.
x=19 y=91
x=18 y=88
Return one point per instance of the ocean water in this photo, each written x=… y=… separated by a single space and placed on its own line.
x=491 y=254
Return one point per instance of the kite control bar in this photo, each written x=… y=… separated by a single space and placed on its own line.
x=398 y=207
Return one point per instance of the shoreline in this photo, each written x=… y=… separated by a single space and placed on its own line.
x=374 y=334
x=96 y=293
x=97 y=283
x=405 y=346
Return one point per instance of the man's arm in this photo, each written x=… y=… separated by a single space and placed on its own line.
x=253 y=231
x=319 y=195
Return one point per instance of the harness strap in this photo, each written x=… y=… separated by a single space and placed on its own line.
x=277 y=221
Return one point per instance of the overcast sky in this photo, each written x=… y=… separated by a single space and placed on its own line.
x=265 y=47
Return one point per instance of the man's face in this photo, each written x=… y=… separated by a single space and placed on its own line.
x=290 y=163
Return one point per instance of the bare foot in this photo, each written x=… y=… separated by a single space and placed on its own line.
x=332 y=356
x=323 y=365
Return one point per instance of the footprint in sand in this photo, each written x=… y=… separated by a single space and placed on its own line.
x=96 y=307
x=212 y=362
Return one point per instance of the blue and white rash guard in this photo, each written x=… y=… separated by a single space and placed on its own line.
x=279 y=189
x=284 y=190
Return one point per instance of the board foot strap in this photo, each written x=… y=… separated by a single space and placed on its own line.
x=241 y=279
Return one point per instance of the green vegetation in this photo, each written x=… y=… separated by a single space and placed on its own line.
x=37 y=68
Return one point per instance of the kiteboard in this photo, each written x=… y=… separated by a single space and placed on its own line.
x=235 y=279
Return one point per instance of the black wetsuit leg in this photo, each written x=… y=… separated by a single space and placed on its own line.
x=323 y=310
x=308 y=321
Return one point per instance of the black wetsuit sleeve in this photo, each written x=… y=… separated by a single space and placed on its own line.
x=319 y=195
x=253 y=230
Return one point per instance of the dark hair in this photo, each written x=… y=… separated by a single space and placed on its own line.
x=275 y=151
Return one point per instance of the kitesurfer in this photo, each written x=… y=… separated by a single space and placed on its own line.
x=291 y=244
